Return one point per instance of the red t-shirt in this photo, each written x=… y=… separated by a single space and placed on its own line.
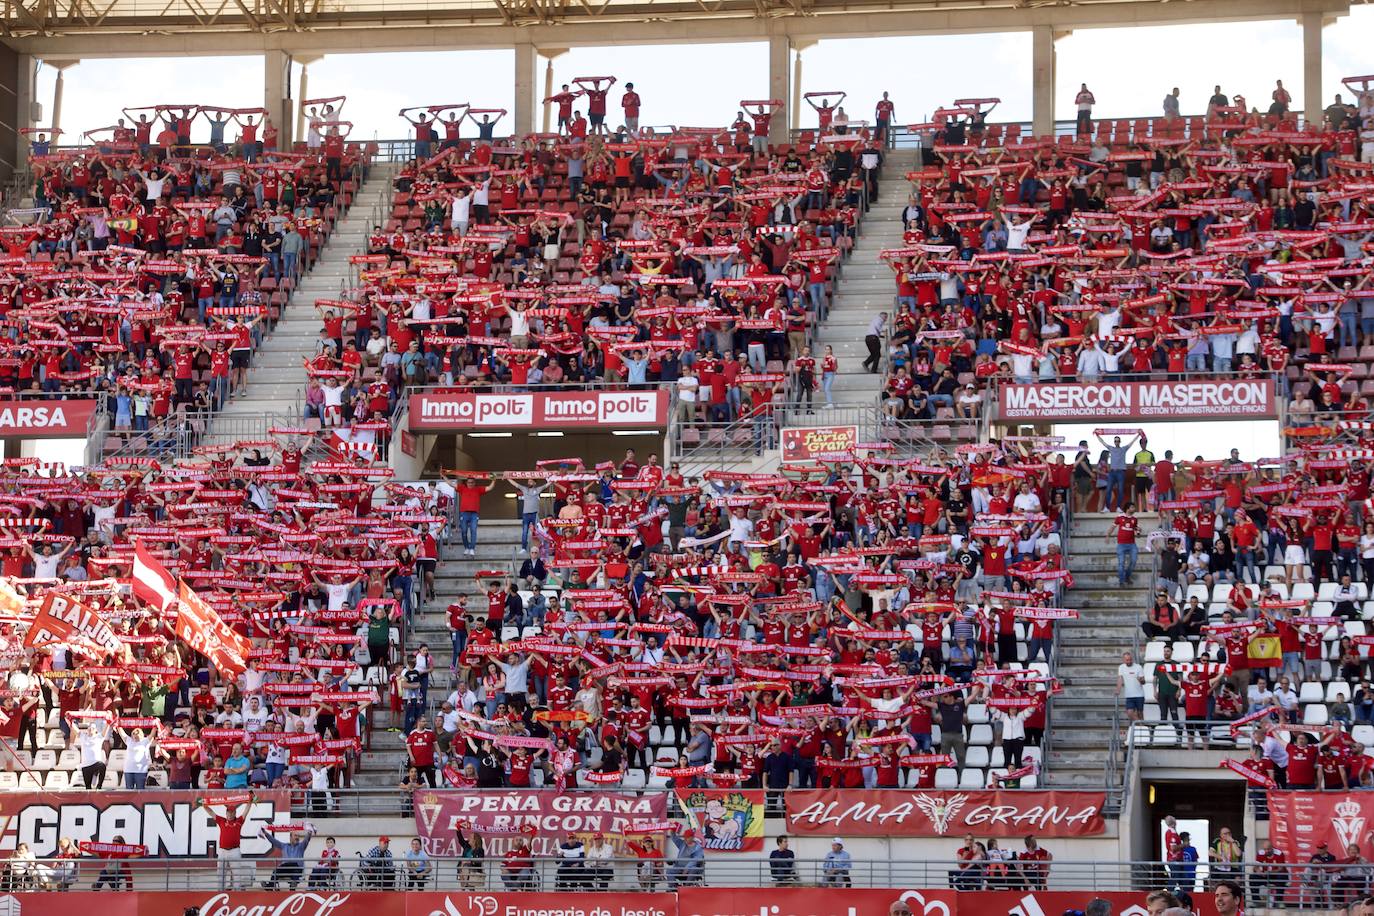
x=230 y=831
x=421 y=747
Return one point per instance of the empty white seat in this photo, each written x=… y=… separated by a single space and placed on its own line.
x=1355 y=628
x=1199 y=591
x=50 y=718
x=1300 y=590
x=977 y=714
x=1165 y=736
x=1314 y=714
x=58 y=779
x=1040 y=668
x=1311 y=692
x=510 y=634
x=1336 y=687
x=70 y=759
x=528 y=632
x=1221 y=592
x=971 y=779
x=1030 y=781
x=8 y=782
x=1183 y=651
x=980 y=734
x=998 y=757
x=977 y=757
x=1327 y=591
x=1277 y=578
x=45 y=759
x=54 y=740
x=1031 y=753
x=634 y=779
x=29 y=780
x=1140 y=734
x=1154 y=650
x=946 y=778
x=1363 y=734
x=116 y=760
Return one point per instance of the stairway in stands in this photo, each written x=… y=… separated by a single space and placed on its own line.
x=867 y=286
x=498 y=542
x=1089 y=651
x=276 y=381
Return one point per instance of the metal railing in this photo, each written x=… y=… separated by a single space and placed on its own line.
x=549 y=873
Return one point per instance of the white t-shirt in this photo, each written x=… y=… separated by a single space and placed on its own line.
x=1131 y=686
x=46 y=567
x=338 y=594
x=139 y=756
x=687 y=389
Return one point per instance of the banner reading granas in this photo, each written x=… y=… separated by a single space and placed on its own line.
x=730 y=820
x=891 y=812
x=544 y=817
x=1298 y=821
x=167 y=822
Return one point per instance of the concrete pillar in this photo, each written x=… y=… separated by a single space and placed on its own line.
x=1042 y=81
x=795 y=105
x=55 y=122
x=549 y=54
x=298 y=110
x=779 y=81
x=524 y=88
x=1312 y=67
x=276 y=95
x=16 y=108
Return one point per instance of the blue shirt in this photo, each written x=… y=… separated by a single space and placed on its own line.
x=237 y=780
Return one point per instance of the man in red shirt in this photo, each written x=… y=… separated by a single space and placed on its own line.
x=630 y=102
x=1125 y=527
x=232 y=875
x=420 y=744
x=471 y=489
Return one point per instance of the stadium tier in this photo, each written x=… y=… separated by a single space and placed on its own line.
x=358 y=599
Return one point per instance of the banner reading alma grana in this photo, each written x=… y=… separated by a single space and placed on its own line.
x=888 y=812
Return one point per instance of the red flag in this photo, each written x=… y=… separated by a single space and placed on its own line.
x=201 y=628
x=152 y=582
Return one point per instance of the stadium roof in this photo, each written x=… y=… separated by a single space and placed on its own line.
x=324 y=26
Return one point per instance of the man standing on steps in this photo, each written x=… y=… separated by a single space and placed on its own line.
x=1130 y=686
x=1124 y=527
x=471 y=488
x=874 y=342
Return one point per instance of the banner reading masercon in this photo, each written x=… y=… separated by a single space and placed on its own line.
x=1190 y=400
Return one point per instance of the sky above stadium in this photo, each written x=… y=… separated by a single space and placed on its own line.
x=1129 y=71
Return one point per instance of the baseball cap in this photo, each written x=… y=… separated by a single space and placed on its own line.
x=837 y=841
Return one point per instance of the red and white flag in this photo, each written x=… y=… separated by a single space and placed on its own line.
x=152 y=582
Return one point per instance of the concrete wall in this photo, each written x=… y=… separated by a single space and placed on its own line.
x=12 y=86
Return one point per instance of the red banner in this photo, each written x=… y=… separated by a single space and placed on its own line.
x=885 y=812
x=729 y=820
x=62 y=620
x=34 y=419
x=1192 y=400
x=541 y=410
x=818 y=901
x=1298 y=821
x=167 y=822
x=456 y=903
x=811 y=443
x=200 y=627
x=544 y=818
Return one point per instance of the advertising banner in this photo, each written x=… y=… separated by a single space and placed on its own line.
x=167 y=822
x=1191 y=400
x=705 y=901
x=544 y=818
x=457 y=903
x=729 y=820
x=817 y=901
x=1298 y=821
x=464 y=410
x=889 y=812
x=34 y=419
x=814 y=443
